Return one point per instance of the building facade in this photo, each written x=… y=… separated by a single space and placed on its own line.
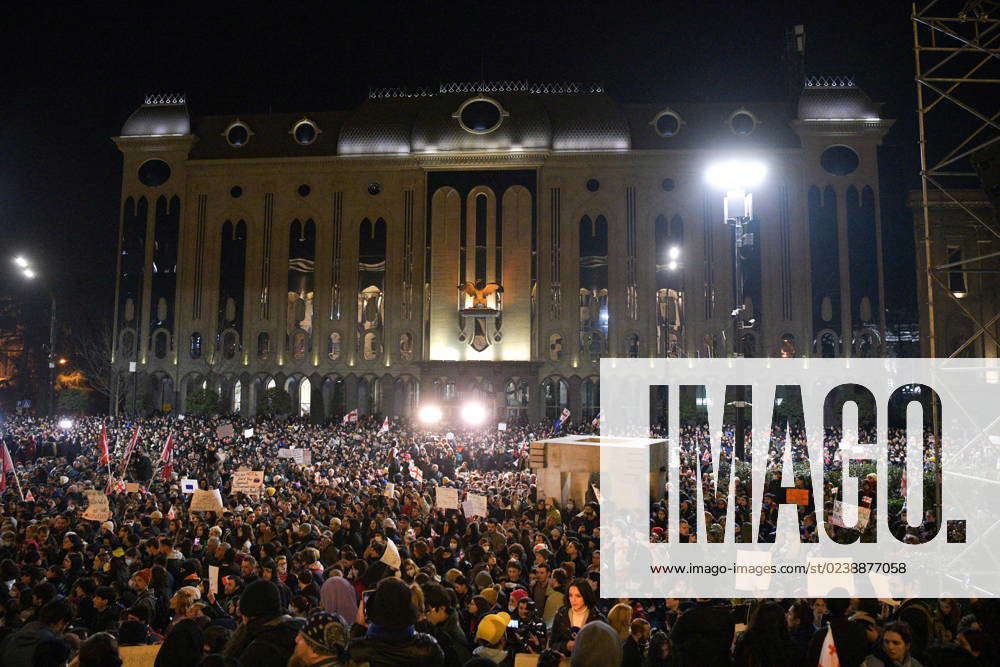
x=485 y=241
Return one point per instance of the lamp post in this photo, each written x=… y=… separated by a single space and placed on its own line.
x=737 y=178
x=30 y=274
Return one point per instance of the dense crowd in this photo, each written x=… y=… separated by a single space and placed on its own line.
x=347 y=560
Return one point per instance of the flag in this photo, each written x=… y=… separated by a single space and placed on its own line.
x=351 y=417
x=171 y=514
x=29 y=498
x=103 y=445
x=6 y=467
x=562 y=418
x=167 y=458
x=828 y=656
x=417 y=474
x=385 y=427
x=597 y=420
x=128 y=452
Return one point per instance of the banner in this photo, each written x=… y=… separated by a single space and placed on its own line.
x=389 y=490
x=189 y=485
x=224 y=431
x=97 y=506
x=300 y=456
x=213 y=579
x=250 y=482
x=206 y=501
x=475 y=505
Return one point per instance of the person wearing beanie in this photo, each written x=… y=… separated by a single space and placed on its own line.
x=321 y=642
x=491 y=637
x=390 y=637
x=597 y=644
x=266 y=637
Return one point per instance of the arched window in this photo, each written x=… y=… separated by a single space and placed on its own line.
x=333 y=346
x=300 y=343
x=827 y=345
x=555 y=347
x=787 y=349
x=126 y=348
x=196 y=345
x=591 y=402
x=161 y=343
x=555 y=394
x=305 y=397
x=237 y=396
x=632 y=346
x=405 y=346
x=230 y=344
x=263 y=345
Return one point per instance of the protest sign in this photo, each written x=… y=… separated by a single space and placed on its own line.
x=132 y=487
x=213 y=579
x=446 y=498
x=224 y=431
x=391 y=555
x=206 y=501
x=300 y=456
x=248 y=433
x=97 y=506
x=478 y=505
x=390 y=488
x=501 y=426
x=189 y=485
x=797 y=496
x=250 y=482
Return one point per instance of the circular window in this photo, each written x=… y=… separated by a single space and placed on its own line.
x=839 y=160
x=154 y=173
x=742 y=122
x=305 y=132
x=667 y=184
x=374 y=189
x=304 y=190
x=236 y=192
x=480 y=115
x=238 y=134
x=593 y=185
x=667 y=124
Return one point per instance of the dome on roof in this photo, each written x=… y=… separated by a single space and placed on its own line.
x=835 y=99
x=159 y=115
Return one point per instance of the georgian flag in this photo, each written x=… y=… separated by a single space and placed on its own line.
x=128 y=452
x=417 y=474
x=30 y=498
x=171 y=514
x=6 y=467
x=828 y=656
x=103 y=445
x=597 y=420
x=385 y=427
x=562 y=418
x=167 y=458
x=351 y=417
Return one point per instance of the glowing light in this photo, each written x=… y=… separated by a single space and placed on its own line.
x=959 y=295
x=473 y=413
x=62 y=362
x=21 y=262
x=429 y=414
x=672 y=265
x=65 y=424
x=28 y=273
x=736 y=174
x=674 y=252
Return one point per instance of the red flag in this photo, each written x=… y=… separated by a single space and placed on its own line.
x=128 y=452
x=6 y=467
x=385 y=427
x=30 y=498
x=167 y=457
x=351 y=417
x=103 y=444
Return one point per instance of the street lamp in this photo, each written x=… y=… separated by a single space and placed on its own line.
x=737 y=178
x=28 y=272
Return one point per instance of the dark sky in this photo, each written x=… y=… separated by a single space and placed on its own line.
x=71 y=78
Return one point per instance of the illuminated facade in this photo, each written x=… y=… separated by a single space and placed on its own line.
x=486 y=241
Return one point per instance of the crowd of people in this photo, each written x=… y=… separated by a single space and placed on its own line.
x=346 y=559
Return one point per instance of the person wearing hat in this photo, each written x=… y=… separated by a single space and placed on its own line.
x=390 y=637
x=322 y=641
x=597 y=645
x=266 y=637
x=491 y=637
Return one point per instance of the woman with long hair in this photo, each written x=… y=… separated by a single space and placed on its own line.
x=580 y=609
x=766 y=642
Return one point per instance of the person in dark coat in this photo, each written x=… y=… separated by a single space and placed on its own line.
x=767 y=640
x=19 y=649
x=442 y=623
x=703 y=634
x=634 y=647
x=390 y=638
x=568 y=621
x=849 y=638
x=183 y=645
x=266 y=637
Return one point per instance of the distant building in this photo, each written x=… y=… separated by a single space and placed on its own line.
x=956 y=237
x=346 y=256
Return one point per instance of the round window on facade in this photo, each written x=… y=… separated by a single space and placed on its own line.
x=238 y=134
x=304 y=190
x=154 y=173
x=480 y=115
x=374 y=189
x=742 y=122
x=593 y=185
x=236 y=192
x=305 y=132
x=667 y=123
x=667 y=184
x=839 y=160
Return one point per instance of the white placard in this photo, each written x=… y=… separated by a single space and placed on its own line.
x=213 y=579
x=248 y=433
x=189 y=485
x=97 y=506
x=250 y=482
x=446 y=497
x=391 y=555
x=206 y=501
x=501 y=426
x=477 y=505
x=224 y=431
x=300 y=456
x=389 y=490
x=132 y=487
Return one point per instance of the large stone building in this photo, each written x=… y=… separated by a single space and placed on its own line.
x=353 y=257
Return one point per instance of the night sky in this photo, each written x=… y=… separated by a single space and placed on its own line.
x=70 y=80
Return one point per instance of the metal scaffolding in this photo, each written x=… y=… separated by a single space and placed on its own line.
x=956 y=46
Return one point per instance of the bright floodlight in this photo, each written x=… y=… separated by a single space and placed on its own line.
x=672 y=265
x=28 y=273
x=429 y=414
x=473 y=413
x=736 y=174
x=21 y=262
x=674 y=252
x=65 y=424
